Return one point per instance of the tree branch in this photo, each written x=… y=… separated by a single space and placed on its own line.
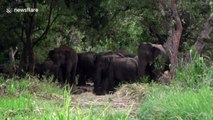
x=204 y=35
x=22 y=35
x=49 y=24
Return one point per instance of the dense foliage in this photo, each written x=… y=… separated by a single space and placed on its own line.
x=187 y=97
x=100 y=25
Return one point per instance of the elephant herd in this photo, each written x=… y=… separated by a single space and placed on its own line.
x=106 y=69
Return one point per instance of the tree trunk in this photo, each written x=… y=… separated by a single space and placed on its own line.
x=27 y=61
x=24 y=58
x=176 y=37
x=174 y=26
x=202 y=37
x=30 y=54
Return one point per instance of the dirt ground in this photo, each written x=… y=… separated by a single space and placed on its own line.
x=126 y=99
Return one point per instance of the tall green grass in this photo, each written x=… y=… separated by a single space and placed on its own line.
x=193 y=75
x=178 y=104
x=189 y=97
x=28 y=99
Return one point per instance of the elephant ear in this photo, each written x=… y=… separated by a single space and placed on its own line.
x=157 y=50
x=159 y=47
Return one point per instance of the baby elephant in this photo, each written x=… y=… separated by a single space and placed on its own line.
x=120 y=70
x=46 y=68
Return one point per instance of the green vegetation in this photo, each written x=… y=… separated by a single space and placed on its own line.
x=99 y=26
x=34 y=99
x=104 y=25
x=174 y=103
x=189 y=96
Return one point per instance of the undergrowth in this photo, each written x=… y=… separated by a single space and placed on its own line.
x=188 y=97
x=34 y=99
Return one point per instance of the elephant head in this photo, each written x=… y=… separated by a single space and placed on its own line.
x=147 y=53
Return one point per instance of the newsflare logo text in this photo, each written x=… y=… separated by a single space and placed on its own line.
x=21 y=10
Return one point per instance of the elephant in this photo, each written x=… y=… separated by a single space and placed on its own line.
x=102 y=67
x=65 y=59
x=86 y=67
x=123 y=69
x=7 y=70
x=147 y=54
x=126 y=54
x=46 y=68
x=2 y=68
x=118 y=52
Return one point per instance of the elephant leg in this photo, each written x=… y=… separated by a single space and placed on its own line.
x=60 y=77
x=111 y=82
x=82 y=79
x=73 y=73
x=142 y=67
x=54 y=78
x=40 y=76
x=105 y=86
x=97 y=83
x=67 y=75
x=58 y=74
x=54 y=73
x=150 y=72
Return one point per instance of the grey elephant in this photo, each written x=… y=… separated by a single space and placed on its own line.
x=46 y=68
x=104 y=68
x=121 y=70
x=65 y=59
x=86 y=67
x=102 y=63
x=147 y=54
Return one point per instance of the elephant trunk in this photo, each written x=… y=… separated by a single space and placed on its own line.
x=141 y=67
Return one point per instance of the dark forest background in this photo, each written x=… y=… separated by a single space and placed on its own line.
x=99 y=25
